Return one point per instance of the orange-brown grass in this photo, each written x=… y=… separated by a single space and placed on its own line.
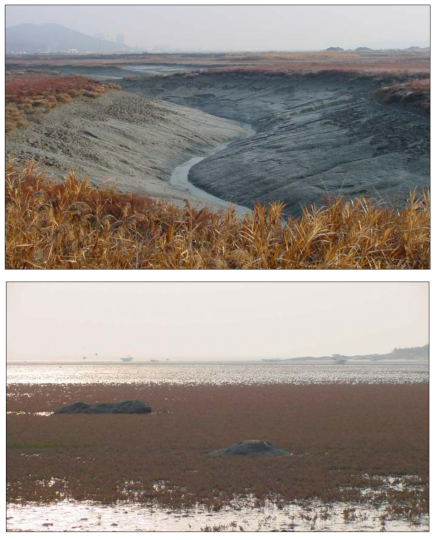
x=344 y=438
x=27 y=96
x=415 y=92
x=75 y=225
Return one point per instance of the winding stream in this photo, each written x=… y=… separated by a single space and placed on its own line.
x=180 y=176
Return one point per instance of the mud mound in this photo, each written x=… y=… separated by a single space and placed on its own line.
x=124 y=407
x=251 y=448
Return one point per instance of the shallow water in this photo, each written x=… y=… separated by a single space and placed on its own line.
x=216 y=374
x=71 y=516
x=121 y=71
x=157 y=69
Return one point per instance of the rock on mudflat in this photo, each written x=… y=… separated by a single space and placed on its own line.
x=251 y=448
x=124 y=407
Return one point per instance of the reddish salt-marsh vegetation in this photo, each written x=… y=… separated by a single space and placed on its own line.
x=31 y=94
x=346 y=441
x=415 y=92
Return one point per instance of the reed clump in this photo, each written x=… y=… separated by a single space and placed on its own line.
x=76 y=225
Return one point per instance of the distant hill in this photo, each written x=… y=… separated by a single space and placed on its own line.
x=415 y=48
x=335 y=49
x=420 y=354
x=409 y=353
x=363 y=49
x=54 y=38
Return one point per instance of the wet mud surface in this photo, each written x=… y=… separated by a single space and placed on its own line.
x=314 y=137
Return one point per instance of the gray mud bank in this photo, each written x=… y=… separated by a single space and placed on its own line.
x=314 y=137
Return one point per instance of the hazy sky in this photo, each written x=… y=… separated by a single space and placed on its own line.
x=212 y=320
x=250 y=28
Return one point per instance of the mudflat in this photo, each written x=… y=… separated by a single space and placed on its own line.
x=315 y=136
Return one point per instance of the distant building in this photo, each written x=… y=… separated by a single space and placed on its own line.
x=120 y=39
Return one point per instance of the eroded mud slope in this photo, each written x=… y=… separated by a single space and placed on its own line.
x=121 y=136
x=325 y=135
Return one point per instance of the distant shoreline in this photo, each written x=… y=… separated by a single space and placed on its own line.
x=221 y=363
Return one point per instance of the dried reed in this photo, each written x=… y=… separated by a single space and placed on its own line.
x=76 y=225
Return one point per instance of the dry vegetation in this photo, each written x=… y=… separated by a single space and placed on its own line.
x=29 y=95
x=344 y=439
x=415 y=92
x=75 y=225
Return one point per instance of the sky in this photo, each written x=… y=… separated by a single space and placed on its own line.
x=241 y=28
x=212 y=321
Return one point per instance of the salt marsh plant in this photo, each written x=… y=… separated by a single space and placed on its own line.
x=350 y=444
x=415 y=92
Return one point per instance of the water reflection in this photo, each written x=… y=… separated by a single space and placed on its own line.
x=216 y=374
x=71 y=516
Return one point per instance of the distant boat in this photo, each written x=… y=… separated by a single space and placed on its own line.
x=127 y=359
